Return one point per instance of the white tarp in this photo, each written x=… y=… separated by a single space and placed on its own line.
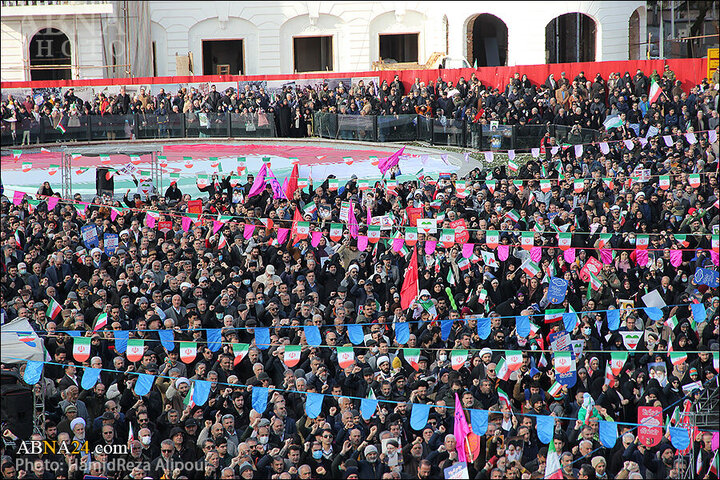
x=20 y=342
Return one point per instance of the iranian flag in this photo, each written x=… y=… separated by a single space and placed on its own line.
x=715 y=465
x=483 y=296
x=655 y=92
x=595 y=282
x=694 y=180
x=527 y=240
x=492 y=239
x=135 y=349
x=501 y=370
x=104 y=158
x=222 y=242
x=26 y=166
x=373 y=233
x=578 y=185
x=450 y=277
x=81 y=348
x=292 y=355
x=174 y=177
x=609 y=183
x=336 y=230
x=60 y=128
x=447 y=237
x=188 y=402
x=555 y=390
x=609 y=376
x=345 y=356
x=162 y=161
x=53 y=309
x=564 y=240
x=490 y=184
x=513 y=166
x=131 y=434
x=310 y=208
x=391 y=184
x=464 y=264
x=411 y=236
x=682 y=240
x=530 y=268
x=188 y=162
x=642 y=241
x=100 y=322
x=604 y=239
x=513 y=215
x=188 y=351
x=303 y=229
x=545 y=186
x=488 y=259
x=240 y=350
x=664 y=182
x=135 y=159
x=552 y=464
x=678 y=357
x=333 y=184
x=617 y=361
x=457 y=358
x=53 y=169
x=348 y=160
x=16 y=154
x=513 y=359
x=412 y=356
x=503 y=398
x=672 y=322
x=562 y=361
x=363 y=184
x=553 y=315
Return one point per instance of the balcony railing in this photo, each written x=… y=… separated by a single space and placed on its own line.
x=369 y=128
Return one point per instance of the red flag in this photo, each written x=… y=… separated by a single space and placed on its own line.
x=479 y=114
x=409 y=290
x=296 y=218
x=292 y=184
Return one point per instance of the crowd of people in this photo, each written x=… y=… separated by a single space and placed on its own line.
x=263 y=270
x=581 y=101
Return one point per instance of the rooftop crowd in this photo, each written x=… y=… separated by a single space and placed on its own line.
x=241 y=280
x=581 y=101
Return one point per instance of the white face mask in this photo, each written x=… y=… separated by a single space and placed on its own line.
x=442 y=357
x=145 y=440
x=263 y=440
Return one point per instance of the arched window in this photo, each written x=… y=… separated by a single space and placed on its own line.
x=570 y=38
x=487 y=41
x=50 y=51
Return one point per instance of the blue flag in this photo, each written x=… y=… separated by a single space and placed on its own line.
x=569 y=320
x=445 y=329
x=699 y=313
x=479 y=421
x=367 y=407
x=262 y=338
x=483 y=328
x=679 y=437
x=613 y=319
x=419 y=415
x=402 y=332
x=33 y=372
x=167 y=339
x=214 y=338
x=201 y=391
x=355 y=333
x=608 y=433
x=259 y=399
x=312 y=335
x=313 y=404
x=143 y=384
x=121 y=339
x=654 y=313
x=557 y=290
x=90 y=378
x=545 y=428
x=522 y=325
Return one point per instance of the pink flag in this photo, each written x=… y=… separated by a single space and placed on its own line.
x=569 y=255
x=536 y=254
x=259 y=184
x=641 y=255
x=362 y=242
x=606 y=256
x=397 y=244
x=248 y=231
x=282 y=234
x=369 y=216
x=503 y=252
x=461 y=430
x=217 y=226
x=389 y=162
x=352 y=221
x=675 y=258
x=467 y=250
x=53 y=201
x=715 y=442
x=715 y=257
x=430 y=247
x=186 y=223
x=315 y=239
x=18 y=197
x=278 y=191
x=113 y=212
x=149 y=220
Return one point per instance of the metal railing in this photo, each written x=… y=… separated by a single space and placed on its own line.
x=370 y=128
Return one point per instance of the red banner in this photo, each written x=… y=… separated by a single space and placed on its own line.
x=461 y=233
x=413 y=214
x=593 y=265
x=650 y=431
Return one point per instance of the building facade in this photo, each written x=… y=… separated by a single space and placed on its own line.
x=158 y=38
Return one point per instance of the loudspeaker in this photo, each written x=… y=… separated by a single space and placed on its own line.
x=102 y=184
x=16 y=409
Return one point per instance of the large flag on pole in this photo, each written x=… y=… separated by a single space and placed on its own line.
x=552 y=463
x=461 y=431
x=655 y=92
x=389 y=162
x=409 y=290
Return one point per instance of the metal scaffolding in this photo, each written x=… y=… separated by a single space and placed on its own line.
x=703 y=416
x=66 y=174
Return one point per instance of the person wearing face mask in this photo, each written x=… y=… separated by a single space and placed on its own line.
x=149 y=449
